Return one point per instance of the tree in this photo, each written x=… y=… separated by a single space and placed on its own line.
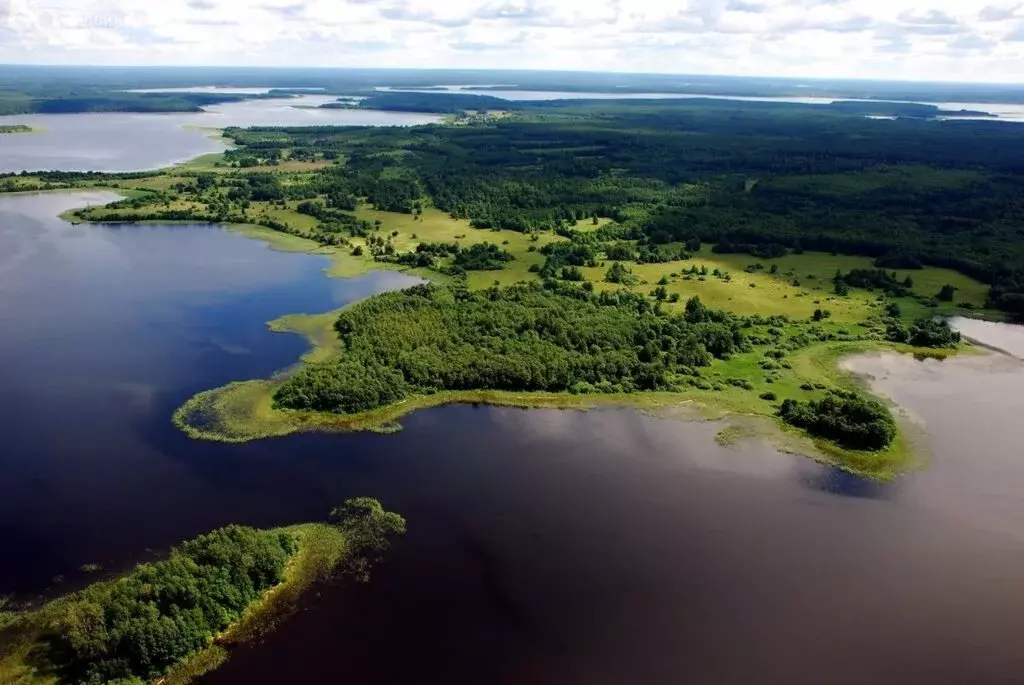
x=368 y=530
x=618 y=273
x=696 y=312
x=851 y=420
x=947 y=293
x=571 y=273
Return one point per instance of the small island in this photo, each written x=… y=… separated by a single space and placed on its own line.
x=173 y=620
x=16 y=128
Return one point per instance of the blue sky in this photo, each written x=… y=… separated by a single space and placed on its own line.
x=912 y=39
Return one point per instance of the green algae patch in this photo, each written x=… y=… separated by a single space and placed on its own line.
x=318 y=329
x=238 y=412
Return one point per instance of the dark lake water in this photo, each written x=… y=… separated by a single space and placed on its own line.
x=134 y=142
x=543 y=546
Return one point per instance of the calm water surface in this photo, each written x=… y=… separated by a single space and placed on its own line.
x=543 y=546
x=134 y=142
x=1005 y=112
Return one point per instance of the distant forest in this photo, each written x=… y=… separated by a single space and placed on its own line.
x=763 y=180
x=60 y=89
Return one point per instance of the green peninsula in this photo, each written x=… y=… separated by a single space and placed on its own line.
x=655 y=255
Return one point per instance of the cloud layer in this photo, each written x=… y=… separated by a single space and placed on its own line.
x=913 y=39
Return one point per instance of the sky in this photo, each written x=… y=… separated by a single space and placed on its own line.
x=948 y=40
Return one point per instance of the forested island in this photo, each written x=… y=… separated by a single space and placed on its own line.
x=173 y=620
x=704 y=253
x=16 y=128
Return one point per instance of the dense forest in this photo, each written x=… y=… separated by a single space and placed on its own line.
x=523 y=338
x=763 y=180
x=143 y=623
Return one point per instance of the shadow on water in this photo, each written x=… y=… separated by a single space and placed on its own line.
x=836 y=481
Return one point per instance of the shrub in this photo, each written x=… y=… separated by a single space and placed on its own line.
x=851 y=420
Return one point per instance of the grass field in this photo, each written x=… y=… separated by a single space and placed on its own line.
x=762 y=292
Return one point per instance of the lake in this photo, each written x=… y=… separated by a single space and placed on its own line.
x=135 y=142
x=1004 y=112
x=543 y=546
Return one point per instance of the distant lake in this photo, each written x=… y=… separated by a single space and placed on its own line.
x=543 y=546
x=519 y=95
x=1006 y=112
x=216 y=90
x=135 y=142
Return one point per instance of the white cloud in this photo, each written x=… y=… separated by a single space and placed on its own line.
x=924 y=39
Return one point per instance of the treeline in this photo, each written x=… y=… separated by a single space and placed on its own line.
x=523 y=338
x=437 y=103
x=112 y=101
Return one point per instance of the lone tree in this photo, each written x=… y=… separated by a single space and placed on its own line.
x=947 y=293
x=367 y=528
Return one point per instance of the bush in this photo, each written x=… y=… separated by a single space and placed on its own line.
x=482 y=257
x=946 y=294
x=934 y=333
x=851 y=420
x=618 y=273
x=769 y=396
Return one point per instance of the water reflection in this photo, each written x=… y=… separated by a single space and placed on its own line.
x=997 y=336
x=839 y=482
x=543 y=546
x=969 y=408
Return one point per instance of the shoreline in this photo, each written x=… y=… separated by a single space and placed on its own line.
x=243 y=411
x=321 y=550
